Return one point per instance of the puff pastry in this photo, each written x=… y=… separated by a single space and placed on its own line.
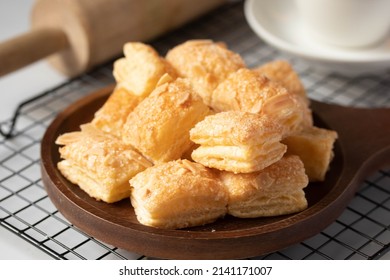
x=113 y=114
x=282 y=72
x=239 y=142
x=247 y=90
x=178 y=194
x=275 y=190
x=99 y=163
x=195 y=136
x=205 y=63
x=141 y=68
x=159 y=126
x=315 y=148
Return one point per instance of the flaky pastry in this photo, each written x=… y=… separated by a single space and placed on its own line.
x=141 y=68
x=275 y=190
x=282 y=72
x=248 y=91
x=100 y=164
x=205 y=63
x=236 y=141
x=178 y=194
x=199 y=103
x=113 y=114
x=159 y=126
x=314 y=146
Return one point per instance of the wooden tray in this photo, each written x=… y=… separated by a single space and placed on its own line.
x=363 y=146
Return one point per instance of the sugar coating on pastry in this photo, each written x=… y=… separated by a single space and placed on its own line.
x=159 y=126
x=273 y=191
x=239 y=142
x=200 y=103
x=282 y=72
x=141 y=68
x=113 y=114
x=314 y=146
x=290 y=111
x=99 y=163
x=247 y=90
x=178 y=194
x=205 y=63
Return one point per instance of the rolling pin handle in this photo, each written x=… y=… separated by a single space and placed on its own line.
x=30 y=47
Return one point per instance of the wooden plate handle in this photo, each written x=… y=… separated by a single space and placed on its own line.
x=364 y=135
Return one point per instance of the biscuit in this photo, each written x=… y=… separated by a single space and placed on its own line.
x=205 y=63
x=236 y=141
x=159 y=126
x=282 y=72
x=314 y=146
x=141 y=68
x=113 y=114
x=99 y=163
x=178 y=194
x=249 y=91
x=273 y=191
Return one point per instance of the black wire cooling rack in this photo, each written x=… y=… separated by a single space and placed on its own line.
x=361 y=232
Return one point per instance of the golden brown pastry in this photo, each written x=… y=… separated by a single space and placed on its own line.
x=199 y=103
x=248 y=91
x=99 y=163
x=315 y=148
x=205 y=63
x=113 y=114
x=236 y=141
x=275 y=190
x=159 y=126
x=141 y=68
x=282 y=72
x=178 y=194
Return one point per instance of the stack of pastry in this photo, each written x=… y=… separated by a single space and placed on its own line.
x=196 y=135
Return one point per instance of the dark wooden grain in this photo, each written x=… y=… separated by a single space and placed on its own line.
x=363 y=146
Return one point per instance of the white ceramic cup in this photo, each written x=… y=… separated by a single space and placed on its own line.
x=346 y=23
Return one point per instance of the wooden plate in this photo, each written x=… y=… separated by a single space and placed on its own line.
x=363 y=146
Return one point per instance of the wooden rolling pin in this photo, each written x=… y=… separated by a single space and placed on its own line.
x=80 y=34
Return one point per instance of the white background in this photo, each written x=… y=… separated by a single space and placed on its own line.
x=31 y=80
x=14 y=88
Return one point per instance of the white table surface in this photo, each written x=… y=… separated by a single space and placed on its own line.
x=14 y=88
x=15 y=248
